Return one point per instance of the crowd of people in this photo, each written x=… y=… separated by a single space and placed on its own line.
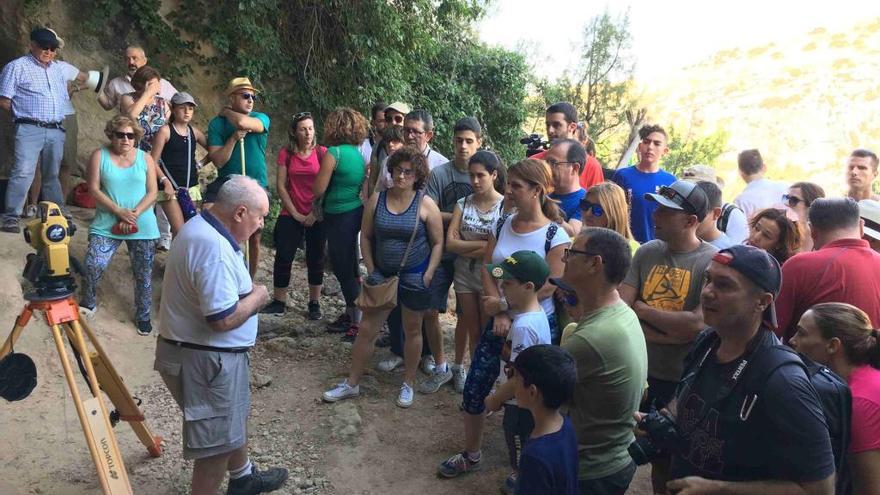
x=618 y=317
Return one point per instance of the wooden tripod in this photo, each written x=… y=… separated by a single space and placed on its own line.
x=62 y=316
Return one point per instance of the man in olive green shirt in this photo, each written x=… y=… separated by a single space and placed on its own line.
x=612 y=361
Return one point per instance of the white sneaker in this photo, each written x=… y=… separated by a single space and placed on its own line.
x=164 y=244
x=390 y=363
x=341 y=391
x=459 y=376
x=30 y=211
x=405 y=398
x=427 y=364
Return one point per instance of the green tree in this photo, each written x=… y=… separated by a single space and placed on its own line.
x=686 y=149
x=599 y=84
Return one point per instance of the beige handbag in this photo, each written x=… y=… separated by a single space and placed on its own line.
x=383 y=295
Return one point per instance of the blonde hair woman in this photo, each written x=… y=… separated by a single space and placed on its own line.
x=605 y=206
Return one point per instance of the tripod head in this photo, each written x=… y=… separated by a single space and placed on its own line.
x=49 y=269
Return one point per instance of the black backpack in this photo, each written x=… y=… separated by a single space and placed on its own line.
x=551 y=231
x=726 y=210
x=833 y=392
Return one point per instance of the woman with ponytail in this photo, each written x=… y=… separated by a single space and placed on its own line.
x=841 y=337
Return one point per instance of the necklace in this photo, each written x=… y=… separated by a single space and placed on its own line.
x=184 y=134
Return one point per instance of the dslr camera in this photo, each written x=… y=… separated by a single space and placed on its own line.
x=534 y=144
x=662 y=437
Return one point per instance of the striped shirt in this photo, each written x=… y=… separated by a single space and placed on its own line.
x=37 y=92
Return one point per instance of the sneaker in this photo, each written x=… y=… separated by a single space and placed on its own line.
x=457 y=465
x=315 y=311
x=144 y=327
x=433 y=383
x=88 y=313
x=30 y=211
x=10 y=224
x=509 y=485
x=275 y=307
x=459 y=376
x=352 y=333
x=340 y=324
x=341 y=391
x=258 y=482
x=389 y=364
x=427 y=365
x=163 y=245
x=405 y=398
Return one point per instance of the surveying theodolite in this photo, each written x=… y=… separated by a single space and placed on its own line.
x=49 y=270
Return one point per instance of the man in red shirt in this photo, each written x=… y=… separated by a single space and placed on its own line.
x=842 y=267
x=561 y=120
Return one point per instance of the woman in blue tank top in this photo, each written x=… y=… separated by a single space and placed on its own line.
x=387 y=227
x=122 y=178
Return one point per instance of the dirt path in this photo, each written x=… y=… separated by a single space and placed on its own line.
x=364 y=446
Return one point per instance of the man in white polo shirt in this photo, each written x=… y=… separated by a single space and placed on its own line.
x=208 y=324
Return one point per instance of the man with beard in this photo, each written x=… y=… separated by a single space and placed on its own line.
x=119 y=86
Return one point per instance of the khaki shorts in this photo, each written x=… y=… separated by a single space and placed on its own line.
x=213 y=391
x=468 y=277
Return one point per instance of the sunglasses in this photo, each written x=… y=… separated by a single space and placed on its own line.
x=128 y=135
x=594 y=208
x=395 y=119
x=297 y=118
x=49 y=48
x=792 y=201
x=248 y=96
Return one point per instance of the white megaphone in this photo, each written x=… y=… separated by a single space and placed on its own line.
x=98 y=79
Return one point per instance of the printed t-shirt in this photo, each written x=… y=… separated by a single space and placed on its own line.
x=219 y=130
x=864 y=382
x=447 y=184
x=670 y=282
x=526 y=329
x=612 y=363
x=344 y=191
x=548 y=464
x=635 y=184
x=570 y=204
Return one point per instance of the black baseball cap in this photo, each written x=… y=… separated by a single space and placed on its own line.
x=684 y=196
x=47 y=38
x=525 y=266
x=759 y=267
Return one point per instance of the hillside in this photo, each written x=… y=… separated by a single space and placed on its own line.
x=805 y=102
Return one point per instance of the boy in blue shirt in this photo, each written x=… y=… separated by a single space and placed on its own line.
x=645 y=177
x=544 y=378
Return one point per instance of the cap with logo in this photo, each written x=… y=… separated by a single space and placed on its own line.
x=525 y=266
x=684 y=196
x=869 y=210
x=44 y=36
x=238 y=84
x=183 y=98
x=759 y=267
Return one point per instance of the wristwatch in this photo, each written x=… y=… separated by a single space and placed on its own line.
x=503 y=304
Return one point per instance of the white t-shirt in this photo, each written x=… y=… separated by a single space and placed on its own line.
x=510 y=242
x=760 y=194
x=205 y=276
x=526 y=329
x=435 y=159
x=737 y=226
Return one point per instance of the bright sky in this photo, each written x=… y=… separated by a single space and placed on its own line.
x=666 y=35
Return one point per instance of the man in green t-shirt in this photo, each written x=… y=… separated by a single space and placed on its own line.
x=612 y=361
x=238 y=124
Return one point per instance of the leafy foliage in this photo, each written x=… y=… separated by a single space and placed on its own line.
x=686 y=149
x=317 y=55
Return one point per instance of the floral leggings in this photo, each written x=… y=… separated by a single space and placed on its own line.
x=140 y=253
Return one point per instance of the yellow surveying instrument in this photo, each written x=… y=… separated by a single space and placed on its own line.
x=49 y=270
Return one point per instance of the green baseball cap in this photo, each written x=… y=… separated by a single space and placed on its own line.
x=525 y=266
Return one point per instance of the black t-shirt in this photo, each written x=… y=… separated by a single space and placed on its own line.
x=784 y=437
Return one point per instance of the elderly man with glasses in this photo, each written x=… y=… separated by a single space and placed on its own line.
x=235 y=126
x=34 y=88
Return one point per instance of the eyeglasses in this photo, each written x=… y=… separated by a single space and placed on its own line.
x=394 y=119
x=570 y=252
x=415 y=132
x=554 y=163
x=300 y=117
x=248 y=96
x=406 y=172
x=792 y=201
x=128 y=135
x=594 y=208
